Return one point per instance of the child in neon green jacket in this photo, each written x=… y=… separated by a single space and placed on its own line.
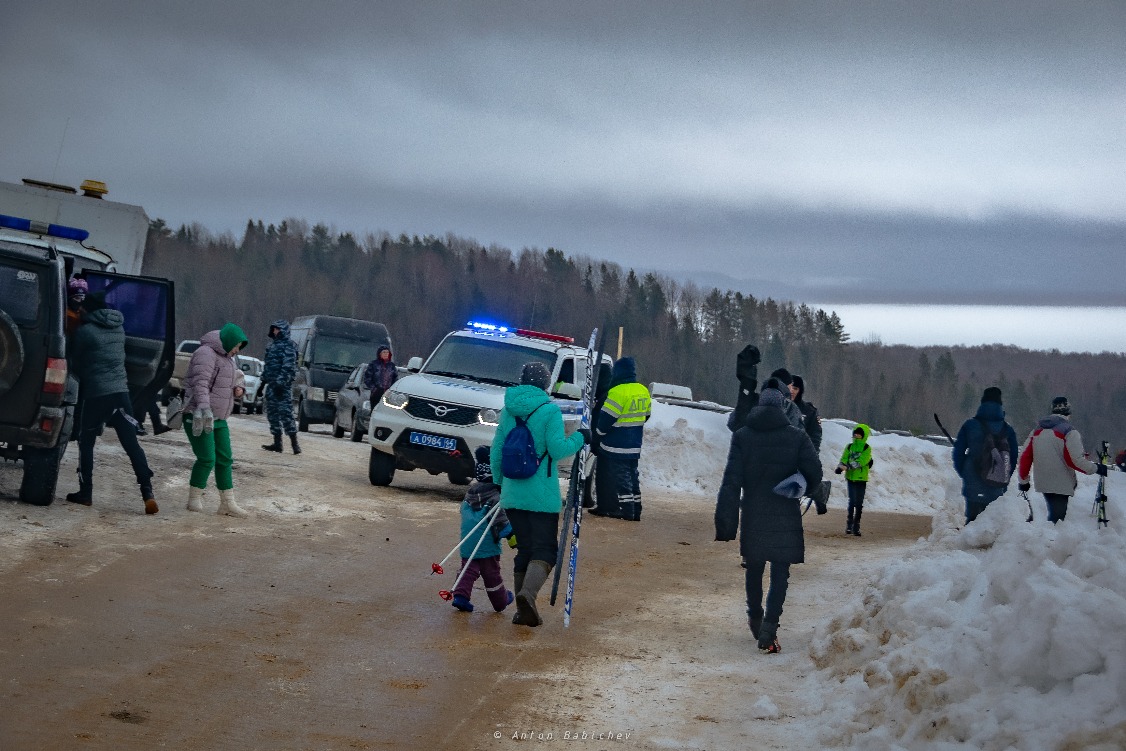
x=855 y=462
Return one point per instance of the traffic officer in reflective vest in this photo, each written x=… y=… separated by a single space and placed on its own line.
x=620 y=426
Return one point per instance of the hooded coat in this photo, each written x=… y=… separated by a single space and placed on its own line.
x=967 y=449
x=857 y=455
x=98 y=353
x=280 y=365
x=379 y=375
x=809 y=414
x=1056 y=448
x=540 y=492
x=212 y=375
x=763 y=453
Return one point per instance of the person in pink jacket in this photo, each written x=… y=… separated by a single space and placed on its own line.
x=211 y=386
x=1056 y=449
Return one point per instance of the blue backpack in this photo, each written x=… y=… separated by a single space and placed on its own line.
x=518 y=458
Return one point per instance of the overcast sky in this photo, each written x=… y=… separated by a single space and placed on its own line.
x=830 y=152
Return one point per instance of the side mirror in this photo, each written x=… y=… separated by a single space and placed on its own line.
x=414 y=364
x=568 y=391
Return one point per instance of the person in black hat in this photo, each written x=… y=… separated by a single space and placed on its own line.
x=978 y=488
x=1056 y=448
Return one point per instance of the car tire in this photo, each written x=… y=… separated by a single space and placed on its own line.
x=11 y=352
x=302 y=419
x=381 y=467
x=337 y=431
x=357 y=434
x=457 y=479
x=41 y=473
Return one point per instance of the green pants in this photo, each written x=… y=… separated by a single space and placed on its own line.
x=212 y=451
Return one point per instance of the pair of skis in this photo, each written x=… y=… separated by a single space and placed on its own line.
x=1099 y=509
x=573 y=507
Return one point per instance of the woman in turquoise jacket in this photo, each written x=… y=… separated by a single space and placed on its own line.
x=533 y=504
x=855 y=462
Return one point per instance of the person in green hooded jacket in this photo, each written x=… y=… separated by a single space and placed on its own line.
x=855 y=462
x=212 y=385
x=533 y=504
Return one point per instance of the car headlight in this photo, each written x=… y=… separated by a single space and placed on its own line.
x=317 y=395
x=395 y=399
x=488 y=416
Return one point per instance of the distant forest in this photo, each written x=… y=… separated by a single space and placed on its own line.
x=424 y=287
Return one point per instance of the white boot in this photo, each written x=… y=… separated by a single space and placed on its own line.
x=228 y=506
x=195 y=498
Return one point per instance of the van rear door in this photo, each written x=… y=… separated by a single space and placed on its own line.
x=149 y=307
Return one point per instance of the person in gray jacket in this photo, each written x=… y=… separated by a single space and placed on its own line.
x=1055 y=448
x=97 y=359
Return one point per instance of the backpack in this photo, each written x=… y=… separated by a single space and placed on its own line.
x=994 y=461
x=518 y=458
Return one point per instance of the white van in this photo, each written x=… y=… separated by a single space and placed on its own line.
x=436 y=417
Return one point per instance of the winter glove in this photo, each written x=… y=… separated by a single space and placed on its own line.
x=512 y=541
x=208 y=420
x=821 y=507
x=197 y=423
x=1100 y=470
x=1024 y=487
x=585 y=433
x=839 y=469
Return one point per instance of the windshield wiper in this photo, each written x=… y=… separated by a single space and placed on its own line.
x=451 y=374
x=495 y=381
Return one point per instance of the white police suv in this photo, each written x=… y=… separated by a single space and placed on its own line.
x=436 y=417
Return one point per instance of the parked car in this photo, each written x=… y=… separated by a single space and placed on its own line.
x=434 y=418
x=37 y=392
x=353 y=407
x=175 y=386
x=253 y=398
x=328 y=349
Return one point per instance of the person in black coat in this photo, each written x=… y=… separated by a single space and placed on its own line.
x=810 y=418
x=766 y=451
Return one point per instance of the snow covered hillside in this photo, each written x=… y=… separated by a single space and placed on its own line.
x=998 y=635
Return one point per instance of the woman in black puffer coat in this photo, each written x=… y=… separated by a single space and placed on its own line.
x=767 y=450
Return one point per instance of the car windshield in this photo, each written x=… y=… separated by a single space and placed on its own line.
x=339 y=351
x=495 y=361
x=251 y=367
x=189 y=346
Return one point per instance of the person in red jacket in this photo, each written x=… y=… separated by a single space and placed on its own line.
x=1056 y=449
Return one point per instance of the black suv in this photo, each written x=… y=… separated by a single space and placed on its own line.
x=37 y=394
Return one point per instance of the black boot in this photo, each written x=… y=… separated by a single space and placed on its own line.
x=160 y=428
x=275 y=446
x=292 y=442
x=768 y=637
x=848 y=526
x=754 y=620
x=856 y=523
x=84 y=496
x=517 y=585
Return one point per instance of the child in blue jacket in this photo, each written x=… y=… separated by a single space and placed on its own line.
x=479 y=500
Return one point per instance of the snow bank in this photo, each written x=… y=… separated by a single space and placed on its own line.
x=999 y=635
x=686 y=449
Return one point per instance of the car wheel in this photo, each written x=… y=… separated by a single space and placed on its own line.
x=11 y=352
x=457 y=478
x=357 y=432
x=302 y=419
x=337 y=430
x=41 y=473
x=381 y=467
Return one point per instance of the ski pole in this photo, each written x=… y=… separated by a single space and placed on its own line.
x=944 y=431
x=1024 y=495
x=447 y=594
x=436 y=568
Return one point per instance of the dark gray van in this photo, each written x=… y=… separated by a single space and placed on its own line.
x=328 y=348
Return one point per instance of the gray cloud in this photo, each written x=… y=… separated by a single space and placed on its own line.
x=921 y=142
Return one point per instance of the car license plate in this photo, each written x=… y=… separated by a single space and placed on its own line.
x=433 y=441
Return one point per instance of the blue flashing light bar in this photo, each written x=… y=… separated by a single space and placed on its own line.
x=40 y=228
x=478 y=326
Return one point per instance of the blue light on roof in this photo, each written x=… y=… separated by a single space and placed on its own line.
x=40 y=228
x=479 y=326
